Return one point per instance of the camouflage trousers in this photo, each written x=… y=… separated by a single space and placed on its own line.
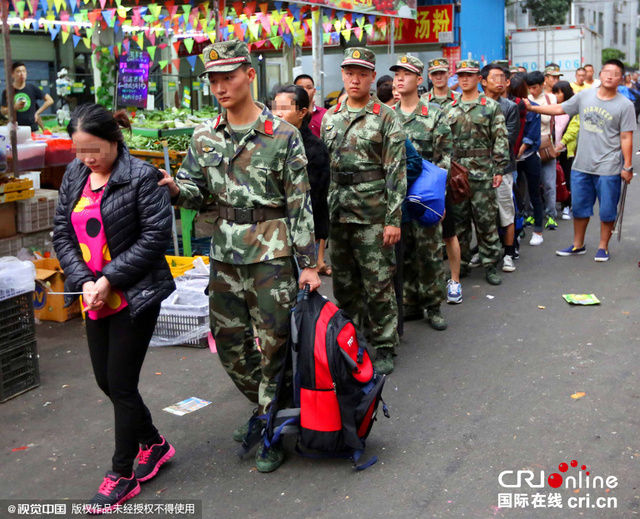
x=423 y=268
x=362 y=276
x=482 y=210
x=243 y=298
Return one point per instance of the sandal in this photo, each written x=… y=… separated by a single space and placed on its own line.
x=325 y=270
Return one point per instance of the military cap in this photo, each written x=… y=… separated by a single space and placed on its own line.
x=553 y=70
x=504 y=63
x=468 y=65
x=359 y=56
x=410 y=63
x=438 y=64
x=225 y=56
x=513 y=68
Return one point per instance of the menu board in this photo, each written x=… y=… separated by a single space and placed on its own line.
x=133 y=79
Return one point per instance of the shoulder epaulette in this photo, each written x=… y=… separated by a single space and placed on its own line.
x=217 y=123
x=268 y=127
x=376 y=109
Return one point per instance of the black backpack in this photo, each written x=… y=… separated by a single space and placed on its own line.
x=333 y=400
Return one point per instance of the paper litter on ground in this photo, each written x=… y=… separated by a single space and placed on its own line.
x=186 y=406
x=581 y=299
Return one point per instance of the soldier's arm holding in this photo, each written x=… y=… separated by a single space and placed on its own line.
x=394 y=163
x=500 y=150
x=190 y=188
x=300 y=213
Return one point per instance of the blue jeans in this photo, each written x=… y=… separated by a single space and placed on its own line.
x=548 y=176
x=585 y=188
x=531 y=169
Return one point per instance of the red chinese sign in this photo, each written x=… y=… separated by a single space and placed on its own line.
x=453 y=55
x=434 y=24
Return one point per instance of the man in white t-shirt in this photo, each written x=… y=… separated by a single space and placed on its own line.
x=590 y=81
x=604 y=157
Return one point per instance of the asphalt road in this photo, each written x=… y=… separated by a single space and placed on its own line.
x=493 y=393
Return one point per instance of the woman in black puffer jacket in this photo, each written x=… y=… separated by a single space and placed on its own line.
x=112 y=228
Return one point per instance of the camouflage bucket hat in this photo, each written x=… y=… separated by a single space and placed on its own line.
x=225 y=56
x=410 y=63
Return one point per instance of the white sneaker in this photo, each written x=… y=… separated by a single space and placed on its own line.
x=475 y=261
x=536 y=239
x=507 y=264
x=566 y=213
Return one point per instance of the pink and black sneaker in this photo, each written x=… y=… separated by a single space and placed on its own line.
x=114 y=491
x=151 y=458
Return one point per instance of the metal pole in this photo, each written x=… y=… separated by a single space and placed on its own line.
x=174 y=228
x=392 y=42
x=318 y=59
x=13 y=135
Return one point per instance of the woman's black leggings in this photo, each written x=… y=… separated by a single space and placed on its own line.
x=118 y=345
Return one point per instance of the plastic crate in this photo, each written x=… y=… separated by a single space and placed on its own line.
x=19 y=371
x=36 y=240
x=10 y=246
x=36 y=214
x=183 y=321
x=16 y=319
x=179 y=265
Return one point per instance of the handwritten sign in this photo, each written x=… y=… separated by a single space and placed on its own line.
x=133 y=79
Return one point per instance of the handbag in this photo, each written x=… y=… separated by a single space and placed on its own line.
x=425 y=198
x=459 y=188
x=547 y=149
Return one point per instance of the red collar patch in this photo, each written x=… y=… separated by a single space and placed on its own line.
x=425 y=110
x=483 y=101
x=376 y=109
x=453 y=96
x=217 y=123
x=338 y=106
x=268 y=127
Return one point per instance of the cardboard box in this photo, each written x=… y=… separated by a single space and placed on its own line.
x=17 y=184
x=49 y=277
x=14 y=196
x=8 y=220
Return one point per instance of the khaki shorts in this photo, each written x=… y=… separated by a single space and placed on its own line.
x=506 y=209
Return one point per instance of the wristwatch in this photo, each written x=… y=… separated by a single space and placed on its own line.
x=628 y=170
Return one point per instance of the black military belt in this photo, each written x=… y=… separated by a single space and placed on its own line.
x=249 y=215
x=466 y=154
x=347 y=178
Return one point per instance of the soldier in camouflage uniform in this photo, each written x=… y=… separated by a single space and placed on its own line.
x=440 y=94
x=426 y=127
x=368 y=185
x=481 y=145
x=253 y=166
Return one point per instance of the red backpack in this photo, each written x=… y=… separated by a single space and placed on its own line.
x=334 y=399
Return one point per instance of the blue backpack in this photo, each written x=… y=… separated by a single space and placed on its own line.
x=425 y=198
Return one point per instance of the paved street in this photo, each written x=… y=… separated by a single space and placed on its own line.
x=492 y=393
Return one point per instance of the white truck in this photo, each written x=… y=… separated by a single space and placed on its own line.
x=569 y=46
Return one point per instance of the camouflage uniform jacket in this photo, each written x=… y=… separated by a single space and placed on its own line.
x=443 y=102
x=372 y=140
x=267 y=168
x=479 y=125
x=429 y=132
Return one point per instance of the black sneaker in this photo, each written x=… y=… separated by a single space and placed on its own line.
x=113 y=491
x=151 y=458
